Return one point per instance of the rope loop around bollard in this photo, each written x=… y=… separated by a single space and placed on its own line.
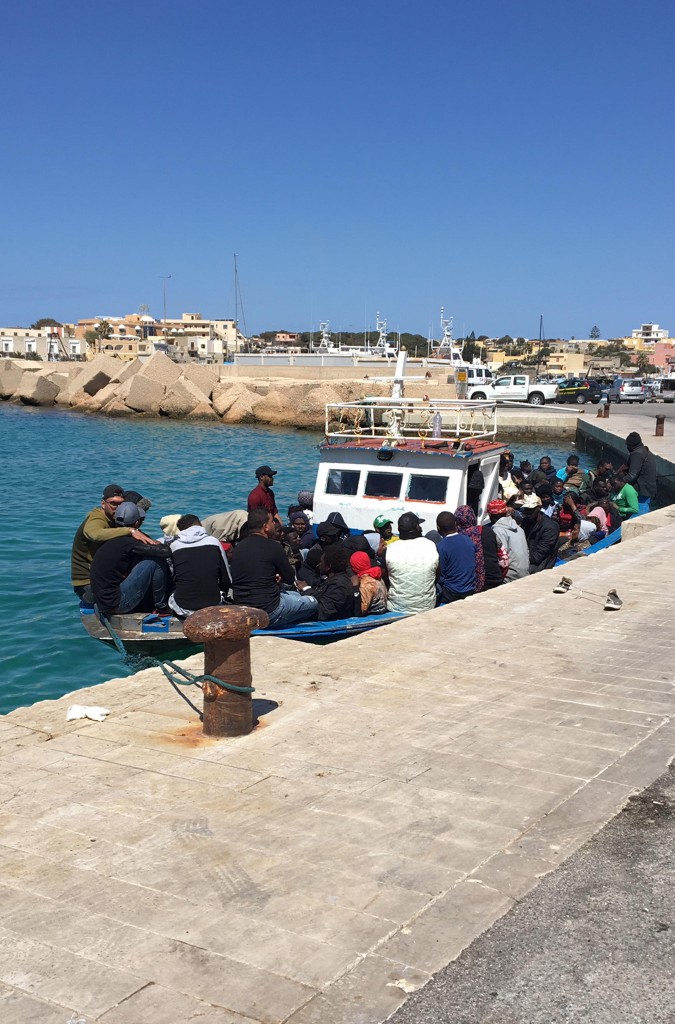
x=171 y=671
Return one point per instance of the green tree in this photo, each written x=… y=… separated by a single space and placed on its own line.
x=595 y=333
x=103 y=330
x=624 y=359
x=45 y=321
x=470 y=349
x=643 y=363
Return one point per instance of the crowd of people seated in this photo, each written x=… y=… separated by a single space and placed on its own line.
x=564 y=511
x=299 y=571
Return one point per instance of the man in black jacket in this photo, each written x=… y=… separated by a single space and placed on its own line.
x=542 y=534
x=200 y=568
x=260 y=567
x=337 y=596
x=126 y=573
x=641 y=471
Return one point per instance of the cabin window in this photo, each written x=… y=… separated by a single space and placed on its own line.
x=427 y=488
x=342 y=481
x=383 y=485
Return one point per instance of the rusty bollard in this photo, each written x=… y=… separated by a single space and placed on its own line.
x=605 y=411
x=660 y=426
x=225 y=631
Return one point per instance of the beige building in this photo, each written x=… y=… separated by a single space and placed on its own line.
x=188 y=338
x=286 y=338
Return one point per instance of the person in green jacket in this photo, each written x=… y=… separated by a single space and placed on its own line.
x=95 y=530
x=625 y=497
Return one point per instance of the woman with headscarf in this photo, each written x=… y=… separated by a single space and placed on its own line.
x=370 y=583
x=465 y=517
x=598 y=512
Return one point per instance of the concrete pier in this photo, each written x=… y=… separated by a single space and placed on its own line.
x=401 y=792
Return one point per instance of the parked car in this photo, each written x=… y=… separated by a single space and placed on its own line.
x=627 y=389
x=515 y=388
x=580 y=391
x=667 y=392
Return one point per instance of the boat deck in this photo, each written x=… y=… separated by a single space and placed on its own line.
x=463 y=447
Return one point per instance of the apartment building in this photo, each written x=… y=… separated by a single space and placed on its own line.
x=647 y=335
x=48 y=343
x=139 y=335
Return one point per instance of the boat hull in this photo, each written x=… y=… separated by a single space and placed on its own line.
x=165 y=637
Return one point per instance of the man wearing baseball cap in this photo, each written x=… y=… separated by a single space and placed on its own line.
x=262 y=496
x=412 y=567
x=126 y=574
x=98 y=527
x=542 y=534
x=385 y=527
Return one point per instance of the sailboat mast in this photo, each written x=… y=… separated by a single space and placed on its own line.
x=236 y=305
x=541 y=332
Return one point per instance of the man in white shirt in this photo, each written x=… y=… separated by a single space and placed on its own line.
x=412 y=568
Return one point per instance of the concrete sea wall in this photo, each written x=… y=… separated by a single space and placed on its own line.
x=282 y=396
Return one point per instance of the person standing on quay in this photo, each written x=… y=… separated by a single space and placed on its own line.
x=641 y=471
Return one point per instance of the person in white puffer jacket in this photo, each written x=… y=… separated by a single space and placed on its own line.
x=412 y=568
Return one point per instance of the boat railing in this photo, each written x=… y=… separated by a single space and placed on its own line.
x=394 y=420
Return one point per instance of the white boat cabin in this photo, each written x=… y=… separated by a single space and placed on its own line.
x=390 y=456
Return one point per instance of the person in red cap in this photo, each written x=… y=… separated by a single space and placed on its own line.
x=511 y=538
x=262 y=496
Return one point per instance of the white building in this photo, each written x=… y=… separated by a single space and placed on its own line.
x=649 y=334
x=50 y=343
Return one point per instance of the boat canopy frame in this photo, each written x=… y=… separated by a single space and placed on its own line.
x=395 y=420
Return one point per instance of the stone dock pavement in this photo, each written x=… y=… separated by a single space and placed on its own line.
x=402 y=791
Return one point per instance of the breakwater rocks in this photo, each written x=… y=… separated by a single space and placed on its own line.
x=159 y=387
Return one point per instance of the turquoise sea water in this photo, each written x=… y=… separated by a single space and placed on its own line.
x=54 y=467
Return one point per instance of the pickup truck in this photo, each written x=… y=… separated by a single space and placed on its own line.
x=516 y=388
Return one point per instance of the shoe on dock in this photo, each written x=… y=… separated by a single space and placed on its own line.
x=563 y=586
x=612 y=602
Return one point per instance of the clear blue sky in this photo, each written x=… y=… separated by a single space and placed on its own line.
x=500 y=159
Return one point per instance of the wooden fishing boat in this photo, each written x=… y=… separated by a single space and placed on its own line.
x=155 y=636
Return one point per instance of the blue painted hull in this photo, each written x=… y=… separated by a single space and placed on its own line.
x=606 y=542
x=336 y=630
x=142 y=633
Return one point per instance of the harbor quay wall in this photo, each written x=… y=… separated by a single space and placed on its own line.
x=402 y=791
x=607 y=439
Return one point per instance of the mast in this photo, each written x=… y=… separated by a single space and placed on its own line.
x=236 y=305
x=541 y=331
